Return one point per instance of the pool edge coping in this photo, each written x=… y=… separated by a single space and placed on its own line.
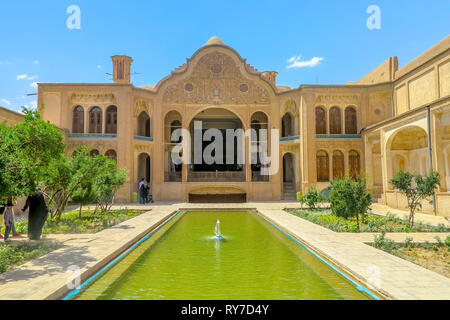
x=110 y=260
x=354 y=279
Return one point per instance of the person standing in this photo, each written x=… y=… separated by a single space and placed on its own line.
x=13 y=228
x=145 y=195
x=8 y=216
x=2 y=221
x=141 y=191
x=37 y=214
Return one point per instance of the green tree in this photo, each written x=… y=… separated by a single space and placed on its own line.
x=107 y=183
x=26 y=153
x=85 y=194
x=74 y=177
x=416 y=188
x=350 y=198
x=313 y=198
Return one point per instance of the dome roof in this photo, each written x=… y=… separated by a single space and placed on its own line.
x=214 y=40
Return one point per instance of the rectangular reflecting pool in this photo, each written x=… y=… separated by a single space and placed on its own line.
x=254 y=261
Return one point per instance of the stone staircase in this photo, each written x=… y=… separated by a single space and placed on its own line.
x=289 y=191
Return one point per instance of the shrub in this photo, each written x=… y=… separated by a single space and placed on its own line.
x=381 y=242
x=447 y=242
x=300 y=199
x=313 y=198
x=349 y=198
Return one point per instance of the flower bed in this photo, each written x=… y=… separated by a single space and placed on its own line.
x=89 y=222
x=371 y=223
x=435 y=257
x=12 y=255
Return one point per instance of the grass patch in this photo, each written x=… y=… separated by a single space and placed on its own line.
x=71 y=223
x=12 y=255
x=434 y=257
x=371 y=223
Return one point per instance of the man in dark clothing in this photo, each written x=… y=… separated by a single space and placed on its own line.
x=145 y=191
x=37 y=215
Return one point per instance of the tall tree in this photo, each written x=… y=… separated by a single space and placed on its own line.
x=26 y=153
x=416 y=189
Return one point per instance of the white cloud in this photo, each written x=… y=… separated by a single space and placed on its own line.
x=99 y=66
x=295 y=62
x=6 y=102
x=36 y=62
x=25 y=76
x=34 y=85
x=4 y=62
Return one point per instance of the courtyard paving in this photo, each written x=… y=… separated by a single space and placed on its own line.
x=47 y=277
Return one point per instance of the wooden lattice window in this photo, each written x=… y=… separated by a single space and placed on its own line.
x=321 y=121
x=94 y=153
x=355 y=164
x=323 y=171
x=78 y=120
x=111 y=154
x=111 y=120
x=287 y=126
x=335 y=121
x=351 y=123
x=95 y=120
x=338 y=165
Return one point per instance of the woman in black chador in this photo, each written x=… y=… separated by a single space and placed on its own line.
x=37 y=215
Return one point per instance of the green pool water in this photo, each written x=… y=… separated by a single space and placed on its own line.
x=255 y=261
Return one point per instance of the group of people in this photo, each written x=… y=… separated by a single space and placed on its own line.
x=145 y=196
x=37 y=215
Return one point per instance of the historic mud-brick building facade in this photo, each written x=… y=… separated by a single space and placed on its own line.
x=382 y=123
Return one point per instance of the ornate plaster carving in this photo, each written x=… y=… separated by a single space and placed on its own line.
x=93 y=98
x=216 y=79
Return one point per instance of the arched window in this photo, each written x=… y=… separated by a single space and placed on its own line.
x=335 y=121
x=78 y=120
x=144 y=125
x=111 y=154
x=175 y=125
x=111 y=120
x=351 y=123
x=321 y=121
x=287 y=126
x=95 y=120
x=323 y=167
x=338 y=165
x=355 y=164
x=259 y=141
x=94 y=153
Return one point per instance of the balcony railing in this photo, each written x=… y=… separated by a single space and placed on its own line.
x=294 y=138
x=141 y=138
x=339 y=136
x=172 y=176
x=258 y=177
x=92 y=135
x=217 y=176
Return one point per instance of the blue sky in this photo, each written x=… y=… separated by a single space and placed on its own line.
x=36 y=45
